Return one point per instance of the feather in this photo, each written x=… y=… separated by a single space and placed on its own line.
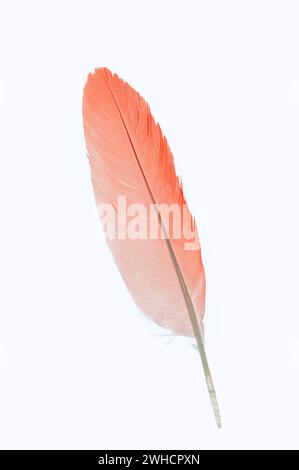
x=130 y=159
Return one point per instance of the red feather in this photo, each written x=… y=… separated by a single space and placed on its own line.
x=129 y=156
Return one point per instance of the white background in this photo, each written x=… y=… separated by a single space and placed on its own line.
x=80 y=367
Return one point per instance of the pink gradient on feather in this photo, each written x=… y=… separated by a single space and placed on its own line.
x=121 y=138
